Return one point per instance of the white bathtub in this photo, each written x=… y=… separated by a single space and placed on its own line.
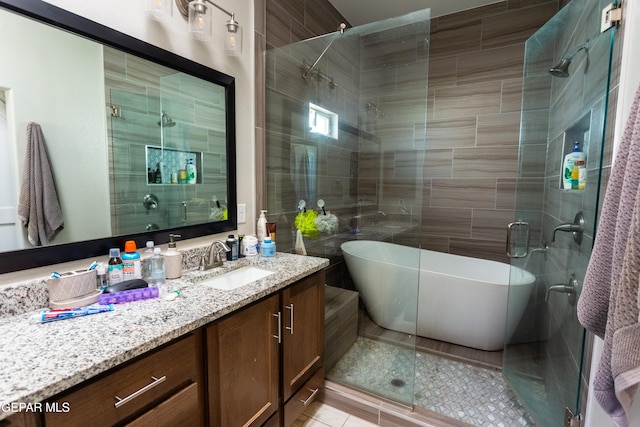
x=460 y=300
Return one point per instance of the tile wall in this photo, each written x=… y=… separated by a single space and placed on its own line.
x=475 y=84
x=469 y=161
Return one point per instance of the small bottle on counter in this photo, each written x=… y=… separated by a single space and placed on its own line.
x=131 y=261
x=232 y=255
x=157 y=267
x=268 y=248
x=102 y=278
x=115 y=267
x=173 y=259
x=145 y=260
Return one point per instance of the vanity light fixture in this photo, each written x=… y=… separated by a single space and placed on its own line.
x=199 y=16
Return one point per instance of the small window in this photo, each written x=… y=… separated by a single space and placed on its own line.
x=323 y=121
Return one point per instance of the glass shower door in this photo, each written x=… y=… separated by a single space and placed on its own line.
x=543 y=358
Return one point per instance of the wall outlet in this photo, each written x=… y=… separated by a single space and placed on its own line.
x=242 y=213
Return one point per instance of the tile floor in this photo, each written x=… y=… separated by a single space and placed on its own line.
x=322 y=415
x=471 y=394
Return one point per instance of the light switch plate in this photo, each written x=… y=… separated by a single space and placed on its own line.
x=242 y=213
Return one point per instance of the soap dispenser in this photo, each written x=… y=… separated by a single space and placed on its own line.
x=173 y=259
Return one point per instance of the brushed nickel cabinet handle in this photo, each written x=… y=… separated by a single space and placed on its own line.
x=156 y=381
x=310 y=398
x=279 y=336
x=290 y=328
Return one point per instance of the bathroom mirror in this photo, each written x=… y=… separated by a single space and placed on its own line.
x=120 y=147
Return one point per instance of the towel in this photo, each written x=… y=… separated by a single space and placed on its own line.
x=609 y=302
x=38 y=206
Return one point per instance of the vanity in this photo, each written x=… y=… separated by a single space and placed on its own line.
x=247 y=356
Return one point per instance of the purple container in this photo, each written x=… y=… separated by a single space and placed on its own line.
x=128 y=296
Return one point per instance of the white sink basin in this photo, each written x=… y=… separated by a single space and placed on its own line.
x=236 y=278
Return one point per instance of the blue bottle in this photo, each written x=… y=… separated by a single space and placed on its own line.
x=268 y=248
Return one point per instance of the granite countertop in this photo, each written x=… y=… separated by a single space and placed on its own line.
x=39 y=360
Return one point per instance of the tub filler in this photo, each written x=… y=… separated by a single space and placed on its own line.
x=460 y=300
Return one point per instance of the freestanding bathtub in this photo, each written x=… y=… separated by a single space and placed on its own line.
x=450 y=298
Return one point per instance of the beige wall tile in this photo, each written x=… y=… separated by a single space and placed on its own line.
x=491 y=64
x=498 y=129
x=450 y=222
x=438 y=163
x=485 y=162
x=463 y=193
x=490 y=224
x=455 y=39
x=468 y=100
x=515 y=26
x=451 y=133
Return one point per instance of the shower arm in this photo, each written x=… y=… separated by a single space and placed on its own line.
x=583 y=47
x=340 y=29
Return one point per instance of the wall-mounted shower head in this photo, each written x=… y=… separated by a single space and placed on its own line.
x=562 y=68
x=166 y=121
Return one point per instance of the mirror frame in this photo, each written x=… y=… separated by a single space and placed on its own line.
x=46 y=13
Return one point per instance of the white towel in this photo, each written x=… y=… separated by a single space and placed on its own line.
x=38 y=207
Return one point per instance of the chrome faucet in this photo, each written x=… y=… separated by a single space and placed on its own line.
x=576 y=228
x=215 y=260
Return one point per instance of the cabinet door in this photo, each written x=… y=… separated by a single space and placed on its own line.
x=303 y=332
x=242 y=353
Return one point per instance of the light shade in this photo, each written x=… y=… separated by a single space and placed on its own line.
x=200 y=20
x=233 y=38
x=160 y=10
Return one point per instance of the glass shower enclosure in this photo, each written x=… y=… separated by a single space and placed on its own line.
x=554 y=227
x=345 y=137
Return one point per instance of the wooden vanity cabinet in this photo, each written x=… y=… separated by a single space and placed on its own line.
x=160 y=388
x=302 y=344
x=243 y=367
x=265 y=361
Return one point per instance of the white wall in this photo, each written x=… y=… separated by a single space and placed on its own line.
x=629 y=82
x=130 y=17
x=68 y=105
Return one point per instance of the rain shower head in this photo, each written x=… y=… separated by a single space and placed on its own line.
x=166 y=121
x=561 y=69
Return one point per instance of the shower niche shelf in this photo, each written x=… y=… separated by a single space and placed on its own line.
x=579 y=131
x=172 y=165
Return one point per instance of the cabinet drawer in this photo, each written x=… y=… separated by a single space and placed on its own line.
x=129 y=390
x=303 y=398
x=180 y=409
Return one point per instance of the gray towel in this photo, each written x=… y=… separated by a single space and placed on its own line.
x=609 y=303
x=38 y=207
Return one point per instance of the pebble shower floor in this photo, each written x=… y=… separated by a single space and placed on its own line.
x=474 y=395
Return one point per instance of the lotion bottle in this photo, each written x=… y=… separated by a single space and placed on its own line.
x=261 y=229
x=567 y=167
x=173 y=259
x=191 y=172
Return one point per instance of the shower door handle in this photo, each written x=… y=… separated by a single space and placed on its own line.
x=512 y=248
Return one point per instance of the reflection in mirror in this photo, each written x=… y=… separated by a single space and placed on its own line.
x=141 y=141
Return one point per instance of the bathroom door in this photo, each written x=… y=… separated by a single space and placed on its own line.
x=543 y=359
